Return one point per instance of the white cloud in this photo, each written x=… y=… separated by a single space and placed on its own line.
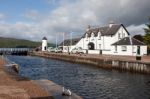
x=31 y=14
x=136 y=29
x=21 y=30
x=2 y=17
x=76 y=15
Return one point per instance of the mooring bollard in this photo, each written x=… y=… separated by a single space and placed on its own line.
x=138 y=57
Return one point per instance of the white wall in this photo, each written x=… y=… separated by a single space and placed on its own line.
x=131 y=50
x=44 y=44
x=143 y=50
x=120 y=52
x=68 y=48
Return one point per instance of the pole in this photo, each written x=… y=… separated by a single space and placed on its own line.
x=56 y=40
x=71 y=40
x=63 y=41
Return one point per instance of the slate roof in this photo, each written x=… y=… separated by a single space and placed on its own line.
x=44 y=38
x=128 y=41
x=104 y=30
x=67 y=42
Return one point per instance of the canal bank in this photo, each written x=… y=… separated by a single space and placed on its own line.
x=14 y=86
x=124 y=64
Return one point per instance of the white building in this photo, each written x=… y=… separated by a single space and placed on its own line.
x=112 y=39
x=68 y=44
x=44 y=44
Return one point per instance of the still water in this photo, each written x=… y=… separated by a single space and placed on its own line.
x=87 y=81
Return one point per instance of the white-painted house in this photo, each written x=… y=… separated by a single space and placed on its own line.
x=112 y=39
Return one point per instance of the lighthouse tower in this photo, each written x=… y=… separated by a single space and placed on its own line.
x=44 y=44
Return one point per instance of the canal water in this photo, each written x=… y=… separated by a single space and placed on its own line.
x=85 y=80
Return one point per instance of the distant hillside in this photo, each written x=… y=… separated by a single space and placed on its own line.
x=18 y=43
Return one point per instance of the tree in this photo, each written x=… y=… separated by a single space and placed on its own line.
x=147 y=34
x=138 y=37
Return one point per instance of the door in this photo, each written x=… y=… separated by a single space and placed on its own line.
x=138 y=50
x=45 y=48
x=91 y=46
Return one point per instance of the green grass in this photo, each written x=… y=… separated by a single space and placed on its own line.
x=19 y=43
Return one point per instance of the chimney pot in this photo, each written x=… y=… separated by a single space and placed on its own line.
x=111 y=23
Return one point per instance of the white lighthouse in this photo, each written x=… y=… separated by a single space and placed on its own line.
x=44 y=44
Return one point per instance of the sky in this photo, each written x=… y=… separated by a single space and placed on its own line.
x=34 y=19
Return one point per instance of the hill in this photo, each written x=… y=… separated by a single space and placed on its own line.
x=19 y=43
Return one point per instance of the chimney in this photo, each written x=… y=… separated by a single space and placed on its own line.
x=88 y=28
x=111 y=23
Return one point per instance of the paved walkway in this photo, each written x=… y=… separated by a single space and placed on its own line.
x=54 y=89
x=112 y=57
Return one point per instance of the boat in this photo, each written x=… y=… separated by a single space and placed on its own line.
x=66 y=92
x=14 y=66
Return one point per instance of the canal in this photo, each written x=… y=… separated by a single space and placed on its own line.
x=85 y=80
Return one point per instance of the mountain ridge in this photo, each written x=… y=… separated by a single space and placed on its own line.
x=6 y=42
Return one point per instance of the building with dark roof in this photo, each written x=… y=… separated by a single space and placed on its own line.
x=128 y=41
x=106 y=40
x=129 y=46
x=69 y=42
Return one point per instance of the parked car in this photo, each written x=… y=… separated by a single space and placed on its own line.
x=77 y=50
x=58 y=50
x=51 y=49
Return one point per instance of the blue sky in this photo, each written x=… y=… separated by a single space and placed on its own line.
x=13 y=9
x=33 y=19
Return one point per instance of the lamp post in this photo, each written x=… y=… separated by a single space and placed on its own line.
x=56 y=40
x=70 y=40
x=63 y=42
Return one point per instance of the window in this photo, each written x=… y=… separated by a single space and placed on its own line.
x=124 y=48
x=86 y=36
x=119 y=36
x=123 y=35
x=116 y=48
x=92 y=35
x=99 y=46
x=99 y=35
x=66 y=48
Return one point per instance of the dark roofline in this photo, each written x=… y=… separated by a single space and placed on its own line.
x=69 y=40
x=108 y=32
x=128 y=41
x=139 y=41
x=118 y=29
x=125 y=29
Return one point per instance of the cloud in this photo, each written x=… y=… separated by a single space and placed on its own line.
x=76 y=15
x=31 y=14
x=2 y=16
x=21 y=30
x=136 y=29
x=51 y=1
